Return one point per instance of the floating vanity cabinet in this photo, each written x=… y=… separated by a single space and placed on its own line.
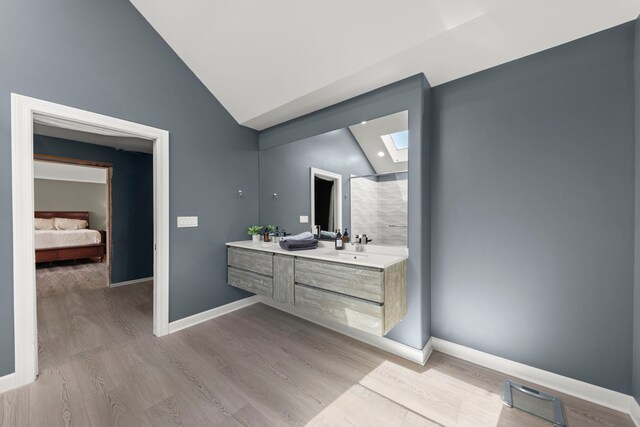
x=370 y=299
x=251 y=271
x=368 y=294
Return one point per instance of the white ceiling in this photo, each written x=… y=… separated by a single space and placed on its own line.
x=368 y=134
x=268 y=62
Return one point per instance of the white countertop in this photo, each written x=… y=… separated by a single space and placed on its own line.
x=326 y=252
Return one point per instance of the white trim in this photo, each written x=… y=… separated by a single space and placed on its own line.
x=7 y=382
x=413 y=354
x=130 y=282
x=187 y=322
x=23 y=110
x=331 y=176
x=634 y=411
x=426 y=351
x=589 y=392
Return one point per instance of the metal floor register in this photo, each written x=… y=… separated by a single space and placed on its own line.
x=535 y=402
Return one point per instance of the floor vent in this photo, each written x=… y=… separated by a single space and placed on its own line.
x=535 y=402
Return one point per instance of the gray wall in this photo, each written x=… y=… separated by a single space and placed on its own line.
x=636 y=306
x=54 y=195
x=285 y=169
x=131 y=202
x=410 y=94
x=532 y=192
x=103 y=56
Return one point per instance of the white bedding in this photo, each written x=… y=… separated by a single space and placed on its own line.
x=47 y=239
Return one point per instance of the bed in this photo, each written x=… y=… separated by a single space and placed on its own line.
x=61 y=245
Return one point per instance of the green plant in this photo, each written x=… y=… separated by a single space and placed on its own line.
x=254 y=229
x=270 y=228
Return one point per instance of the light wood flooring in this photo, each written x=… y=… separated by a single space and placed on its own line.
x=100 y=365
x=64 y=277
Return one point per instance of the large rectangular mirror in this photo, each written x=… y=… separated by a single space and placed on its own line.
x=353 y=178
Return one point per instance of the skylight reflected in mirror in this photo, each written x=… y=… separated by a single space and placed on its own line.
x=400 y=139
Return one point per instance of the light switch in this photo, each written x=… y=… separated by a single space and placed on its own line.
x=304 y=219
x=187 y=221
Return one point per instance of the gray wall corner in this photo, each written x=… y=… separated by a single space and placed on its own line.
x=636 y=275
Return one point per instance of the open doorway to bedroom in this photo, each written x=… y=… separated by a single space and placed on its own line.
x=72 y=222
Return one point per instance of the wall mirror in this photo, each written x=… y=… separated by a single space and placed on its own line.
x=352 y=178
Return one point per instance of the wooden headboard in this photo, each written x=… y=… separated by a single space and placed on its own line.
x=63 y=214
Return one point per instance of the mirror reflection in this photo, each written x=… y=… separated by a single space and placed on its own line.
x=352 y=179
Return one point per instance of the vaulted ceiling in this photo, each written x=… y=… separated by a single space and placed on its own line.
x=271 y=61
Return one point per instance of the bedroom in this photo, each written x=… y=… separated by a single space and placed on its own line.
x=72 y=207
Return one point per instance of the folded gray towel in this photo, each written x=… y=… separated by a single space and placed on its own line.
x=298 y=245
x=327 y=234
x=302 y=237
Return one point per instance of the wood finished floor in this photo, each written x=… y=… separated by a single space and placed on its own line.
x=100 y=365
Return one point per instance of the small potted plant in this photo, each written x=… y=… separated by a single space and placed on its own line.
x=254 y=232
x=268 y=229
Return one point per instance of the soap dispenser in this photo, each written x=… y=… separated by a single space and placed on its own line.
x=345 y=237
x=339 y=243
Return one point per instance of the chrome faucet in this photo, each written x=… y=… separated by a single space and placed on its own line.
x=360 y=241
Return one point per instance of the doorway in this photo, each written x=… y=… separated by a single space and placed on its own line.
x=24 y=111
x=326 y=199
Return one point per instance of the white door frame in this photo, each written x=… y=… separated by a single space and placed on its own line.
x=337 y=202
x=24 y=278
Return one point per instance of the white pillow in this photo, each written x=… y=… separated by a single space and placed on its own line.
x=69 y=224
x=43 y=223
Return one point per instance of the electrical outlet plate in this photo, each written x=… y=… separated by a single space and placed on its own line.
x=187 y=221
x=304 y=219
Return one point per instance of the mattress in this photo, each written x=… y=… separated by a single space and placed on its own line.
x=47 y=239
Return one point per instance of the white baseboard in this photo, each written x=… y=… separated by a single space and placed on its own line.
x=178 y=325
x=634 y=411
x=426 y=351
x=413 y=354
x=131 y=282
x=589 y=392
x=7 y=382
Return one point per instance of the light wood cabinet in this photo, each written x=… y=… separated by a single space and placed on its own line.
x=252 y=282
x=255 y=261
x=361 y=282
x=370 y=299
x=283 y=279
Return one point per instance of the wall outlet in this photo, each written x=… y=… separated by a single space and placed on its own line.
x=187 y=221
x=304 y=219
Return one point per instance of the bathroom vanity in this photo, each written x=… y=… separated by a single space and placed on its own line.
x=363 y=290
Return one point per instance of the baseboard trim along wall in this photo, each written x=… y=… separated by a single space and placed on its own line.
x=635 y=412
x=7 y=382
x=181 y=324
x=131 y=282
x=413 y=354
x=580 y=389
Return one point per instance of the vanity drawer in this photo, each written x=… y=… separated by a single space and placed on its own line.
x=246 y=259
x=361 y=282
x=353 y=312
x=252 y=282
